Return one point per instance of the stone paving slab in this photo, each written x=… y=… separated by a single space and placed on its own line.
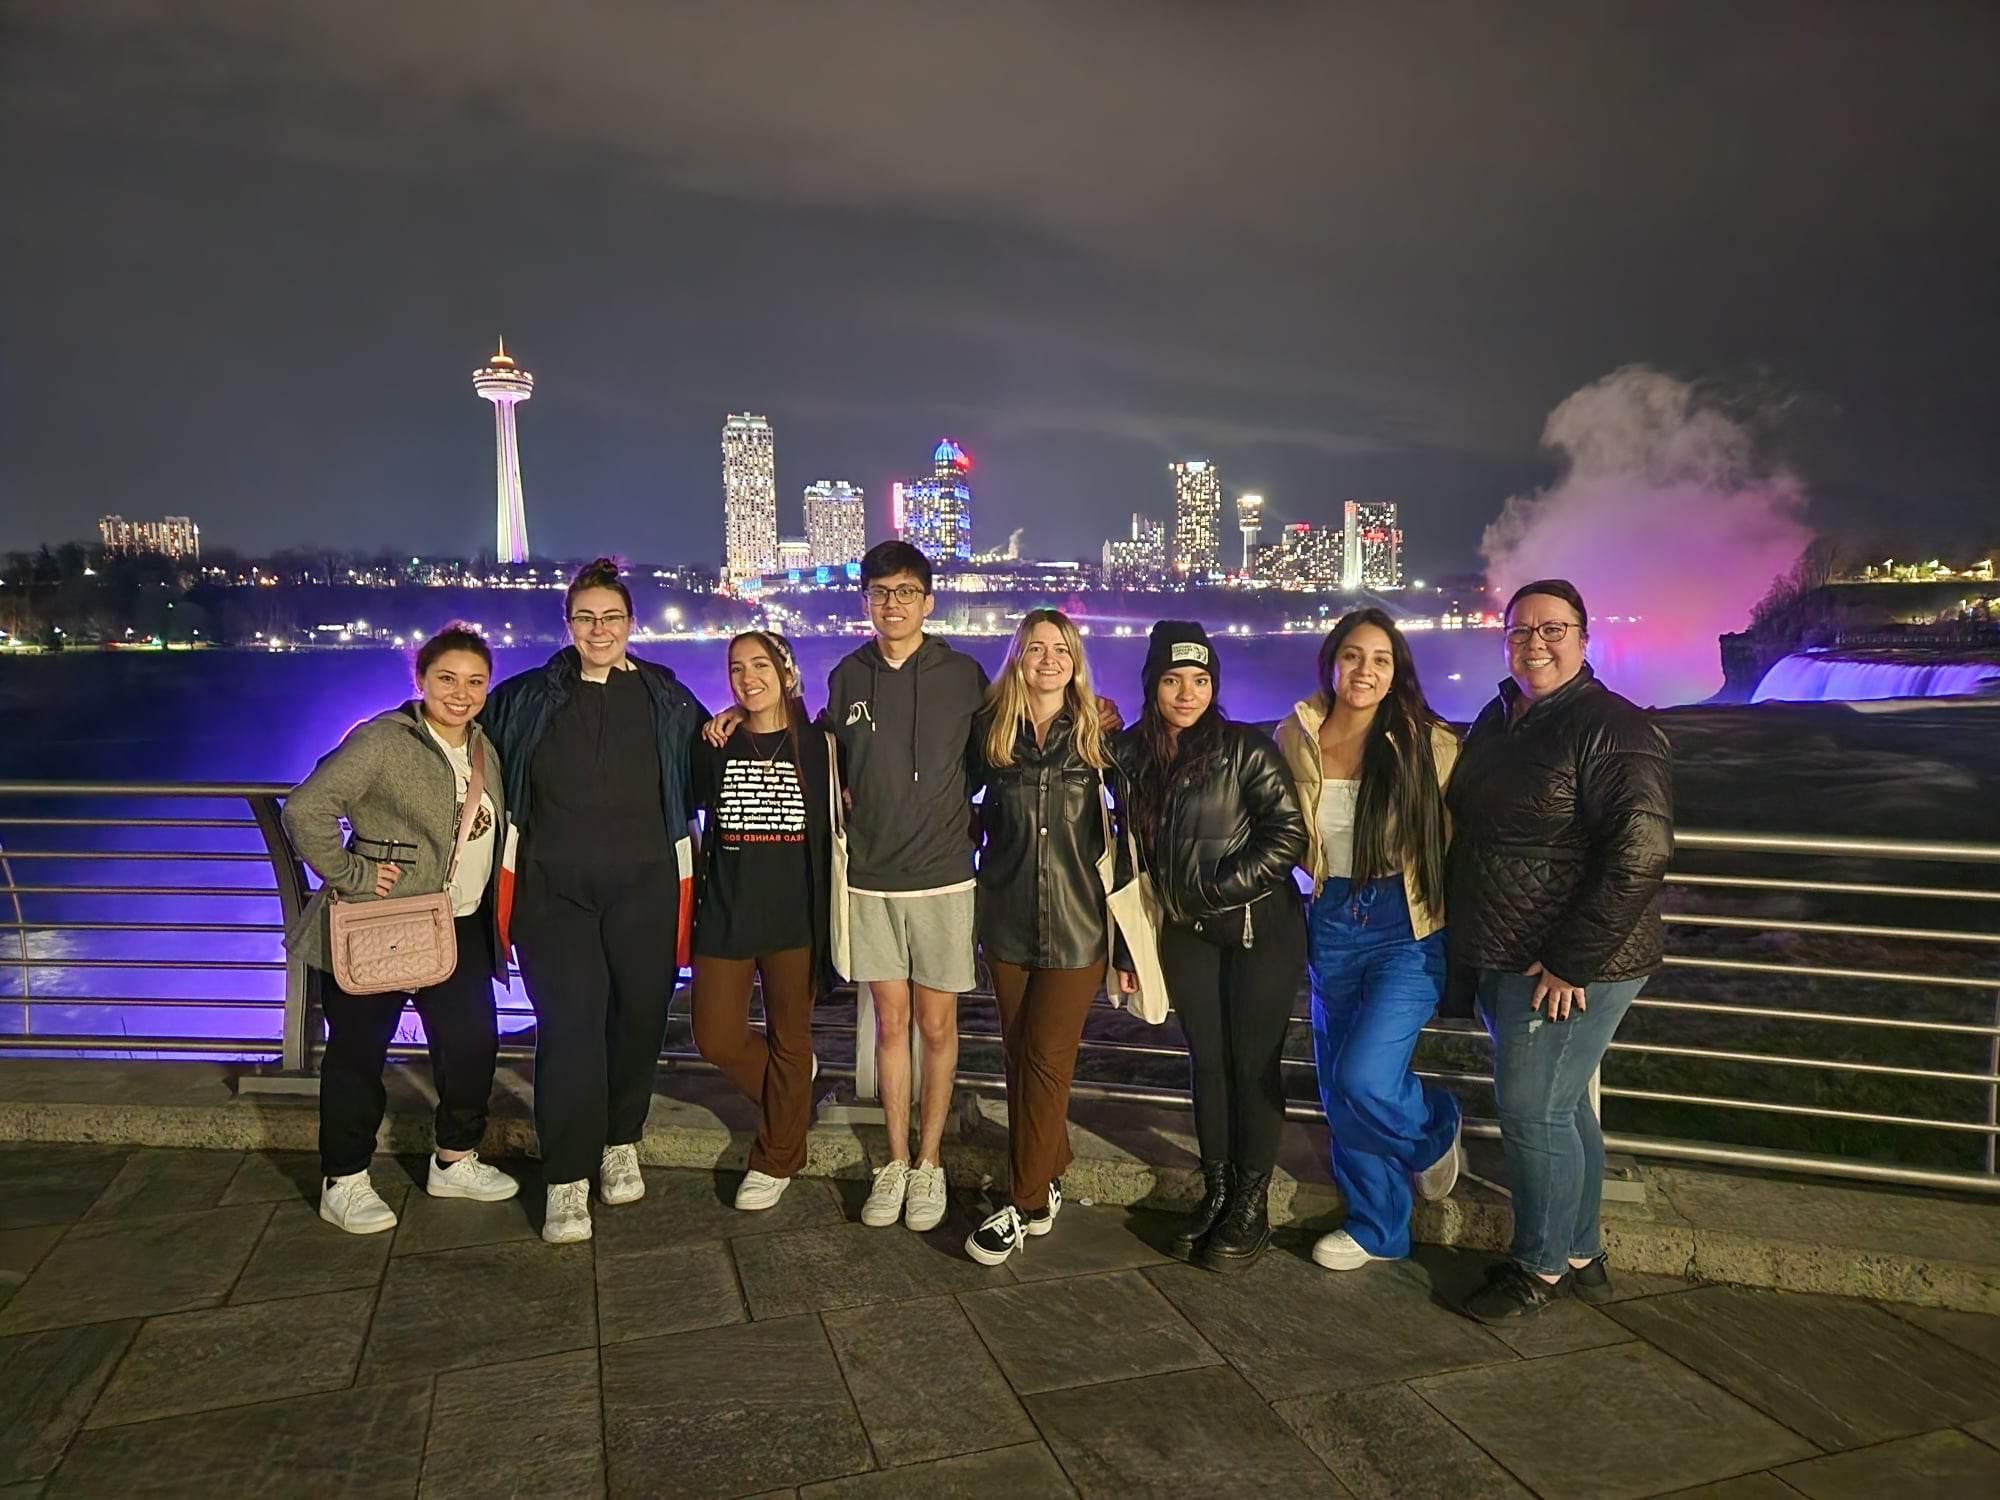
x=925 y=1385
x=673 y=1288
x=53 y=1184
x=1844 y=1374
x=1084 y=1330
x=233 y=1356
x=850 y=1265
x=1387 y=1443
x=1942 y=1464
x=729 y=1411
x=165 y=1182
x=123 y=1268
x=1649 y=1424
x=1024 y=1469
x=21 y=1250
x=297 y=1256
x=530 y=1428
x=1194 y=1432
x=48 y=1382
x=486 y=1304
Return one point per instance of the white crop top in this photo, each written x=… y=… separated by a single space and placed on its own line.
x=1336 y=827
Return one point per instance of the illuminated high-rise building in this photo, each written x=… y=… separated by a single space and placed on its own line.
x=1373 y=546
x=1140 y=558
x=171 y=536
x=935 y=515
x=1197 y=519
x=1249 y=521
x=1306 y=557
x=749 y=499
x=836 y=523
x=506 y=385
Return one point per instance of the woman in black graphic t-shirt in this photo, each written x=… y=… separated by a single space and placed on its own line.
x=767 y=834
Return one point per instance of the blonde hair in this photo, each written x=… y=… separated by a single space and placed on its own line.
x=1007 y=697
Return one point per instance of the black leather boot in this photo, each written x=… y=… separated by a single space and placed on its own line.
x=1244 y=1229
x=1214 y=1198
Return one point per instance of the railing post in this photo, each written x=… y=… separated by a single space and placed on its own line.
x=296 y=1073
x=1993 y=1089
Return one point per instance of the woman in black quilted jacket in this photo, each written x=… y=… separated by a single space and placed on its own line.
x=1220 y=829
x=1562 y=816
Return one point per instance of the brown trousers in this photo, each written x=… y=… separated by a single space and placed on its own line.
x=773 y=1068
x=1041 y=1024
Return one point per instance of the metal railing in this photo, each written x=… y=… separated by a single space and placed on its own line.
x=1809 y=986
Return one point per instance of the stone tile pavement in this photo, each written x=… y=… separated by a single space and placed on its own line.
x=178 y=1322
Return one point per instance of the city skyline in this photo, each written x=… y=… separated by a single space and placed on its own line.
x=1321 y=308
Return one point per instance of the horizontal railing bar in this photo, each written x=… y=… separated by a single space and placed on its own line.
x=142 y=963
x=1832 y=887
x=128 y=822
x=1790 y=843
x=212 y=789
x=261 y=891
x=1884 y=976
x=1778 y=1013
x=175 y=856
x=1814 y=1111
x=1836 y=929
x=1786 y=1161
x=1822 y=1064
x=142 y=927
x=160 y=1002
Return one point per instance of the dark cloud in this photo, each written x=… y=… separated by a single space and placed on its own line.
x=254 y=249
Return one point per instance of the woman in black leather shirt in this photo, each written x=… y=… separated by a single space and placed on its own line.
x=1220 y=829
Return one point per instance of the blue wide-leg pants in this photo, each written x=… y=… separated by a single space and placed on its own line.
x=1374 y=985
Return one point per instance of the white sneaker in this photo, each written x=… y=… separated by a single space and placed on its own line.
x=618 y=1179
x=351 y=1203
x=1340 y=1251
x=760 y=1190
x=1441 y=1176
x=925 y=1209
x=885 y=1200
x=469 y=1177
x=568 y=1218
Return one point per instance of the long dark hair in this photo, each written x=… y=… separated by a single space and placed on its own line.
x=1399 y=814
x=1157 y=753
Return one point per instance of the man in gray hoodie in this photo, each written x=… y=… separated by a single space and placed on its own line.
x=901 y=709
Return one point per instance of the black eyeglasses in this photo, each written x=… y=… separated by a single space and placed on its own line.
x=584 y=620
x=1549 y=630
x=902 y=593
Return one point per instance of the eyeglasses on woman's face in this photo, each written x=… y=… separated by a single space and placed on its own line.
x=1549 y=630
x=902 y=593
x=615 y=619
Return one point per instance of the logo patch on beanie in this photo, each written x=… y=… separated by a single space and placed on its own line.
x=1193 y=651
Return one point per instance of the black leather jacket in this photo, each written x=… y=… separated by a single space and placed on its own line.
x=1041 y=902
x=1562 y=825
x=1229 y=830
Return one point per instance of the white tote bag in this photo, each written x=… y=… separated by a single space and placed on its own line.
x=1135 y=915
x=838 y=940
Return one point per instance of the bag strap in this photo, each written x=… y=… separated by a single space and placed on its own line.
x=475 y=791
x=833 y=785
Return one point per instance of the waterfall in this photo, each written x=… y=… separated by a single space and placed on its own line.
x=1809 y=678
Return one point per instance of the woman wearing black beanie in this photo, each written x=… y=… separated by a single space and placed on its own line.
x=1220 y=830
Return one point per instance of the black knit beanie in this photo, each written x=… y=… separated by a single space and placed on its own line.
x=1178 y=643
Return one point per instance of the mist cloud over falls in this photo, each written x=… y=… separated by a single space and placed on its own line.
x=1664 y=511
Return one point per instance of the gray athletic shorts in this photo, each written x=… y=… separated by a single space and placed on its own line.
x=926 y=940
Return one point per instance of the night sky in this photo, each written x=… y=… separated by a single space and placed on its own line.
x=253 y=251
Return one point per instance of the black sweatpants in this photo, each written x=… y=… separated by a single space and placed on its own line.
x=1235 y=1004
x=460 y=1028
x=596 y=948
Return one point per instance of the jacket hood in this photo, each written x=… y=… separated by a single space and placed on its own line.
x=1510 y=691
x=928 y=653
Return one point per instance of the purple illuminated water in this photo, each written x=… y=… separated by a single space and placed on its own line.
x=1805 y=677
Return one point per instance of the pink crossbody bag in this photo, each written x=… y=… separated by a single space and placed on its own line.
x=403 y=943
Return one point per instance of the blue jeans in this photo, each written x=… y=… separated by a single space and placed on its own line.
x=1373 y=988
x=1541 y=1084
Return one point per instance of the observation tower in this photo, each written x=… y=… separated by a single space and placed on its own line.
x=503 y=382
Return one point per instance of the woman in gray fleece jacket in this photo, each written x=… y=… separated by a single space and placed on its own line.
x=398 y=781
